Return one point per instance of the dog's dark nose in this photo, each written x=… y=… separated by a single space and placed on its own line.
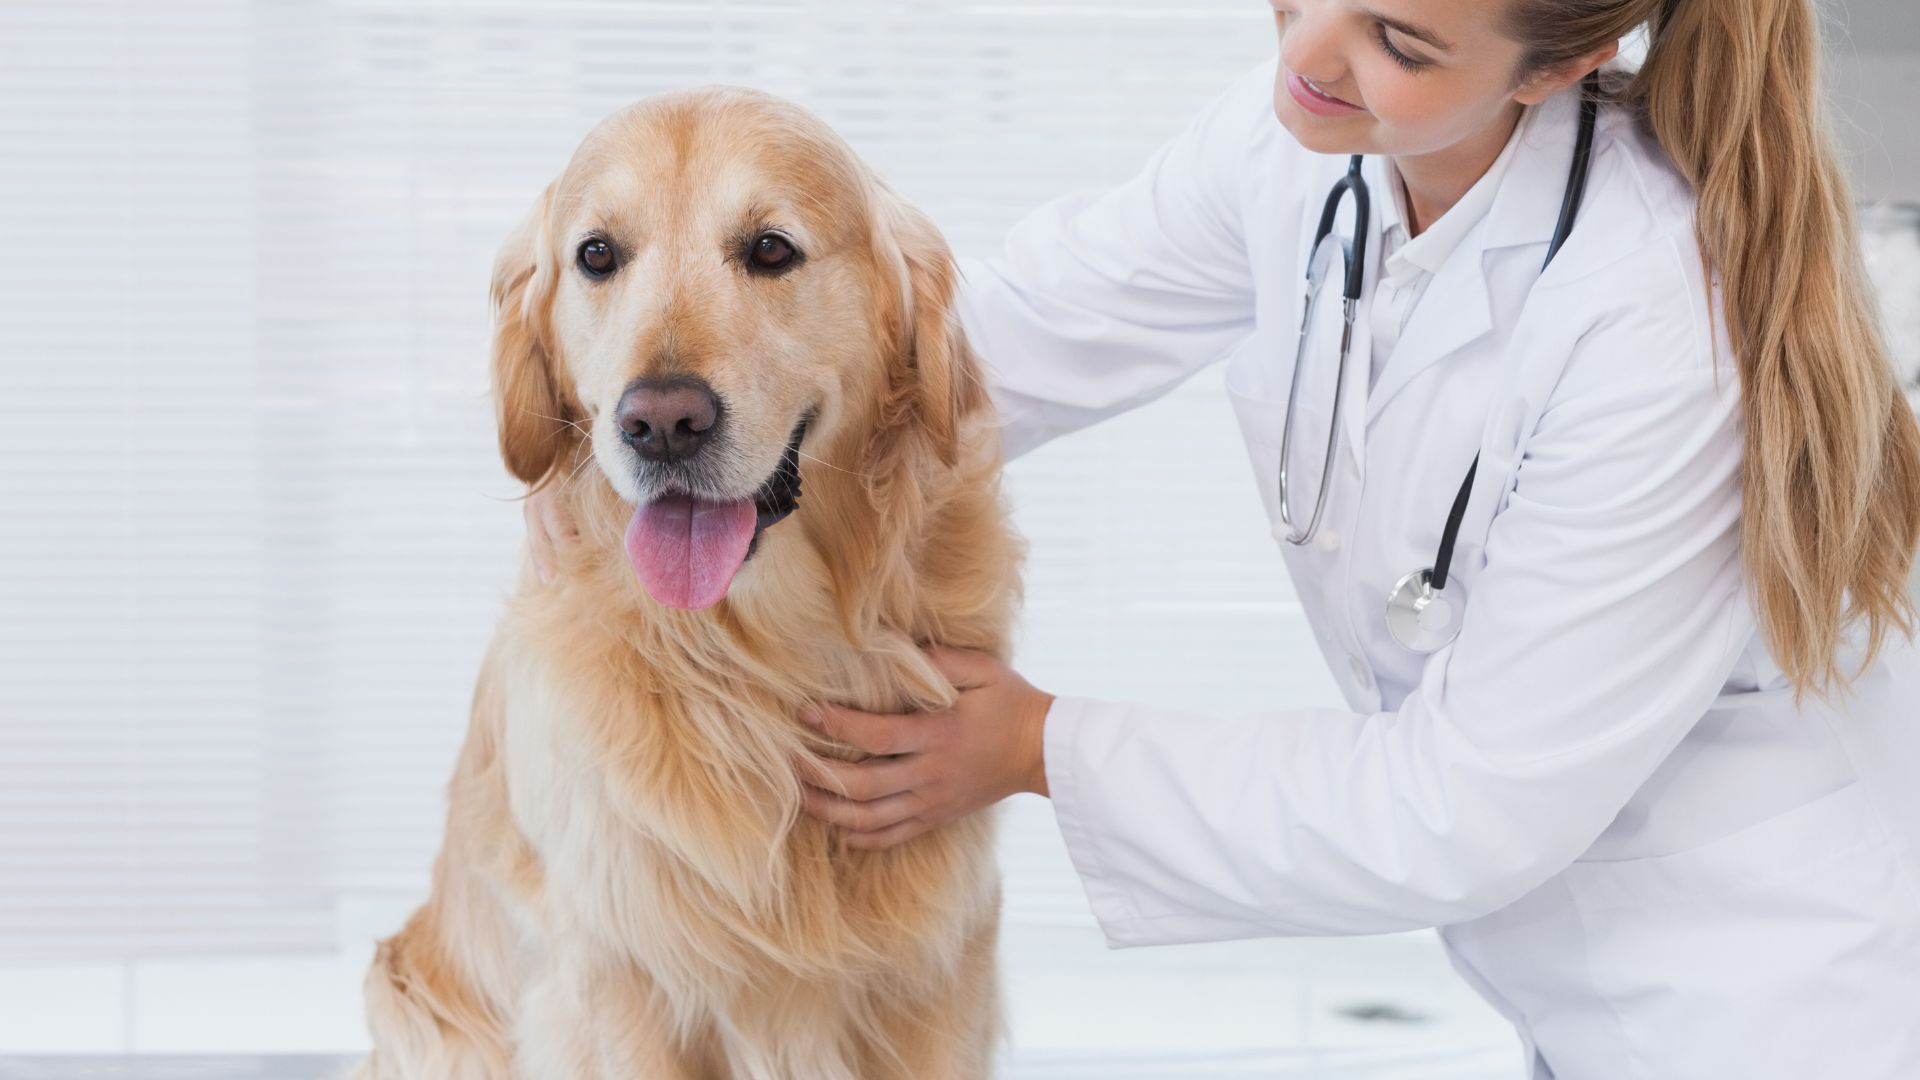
x=668 y=419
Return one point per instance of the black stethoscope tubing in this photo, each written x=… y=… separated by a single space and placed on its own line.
x=1435 y=578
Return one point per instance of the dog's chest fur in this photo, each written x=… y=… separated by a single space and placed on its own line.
x=650 y=774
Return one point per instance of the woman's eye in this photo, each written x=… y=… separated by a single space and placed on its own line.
x=771 y=251
x=1411 y=63
x=596 y=258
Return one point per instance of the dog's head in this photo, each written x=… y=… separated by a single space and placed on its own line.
x=715 y=289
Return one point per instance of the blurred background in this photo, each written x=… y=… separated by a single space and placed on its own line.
x=254 y=532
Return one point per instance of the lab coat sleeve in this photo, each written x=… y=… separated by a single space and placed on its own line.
x=1605 y=620
x=1104 y=300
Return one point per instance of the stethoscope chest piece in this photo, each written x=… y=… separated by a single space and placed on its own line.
x=1420 y=617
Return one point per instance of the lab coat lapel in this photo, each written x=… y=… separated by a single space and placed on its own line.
x=1456 y=309
x=1451 y=314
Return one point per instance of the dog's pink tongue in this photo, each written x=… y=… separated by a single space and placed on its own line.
x=687 y=550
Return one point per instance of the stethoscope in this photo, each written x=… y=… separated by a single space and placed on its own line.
x=1418 y=616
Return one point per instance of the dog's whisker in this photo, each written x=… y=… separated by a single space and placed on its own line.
x=831 y=465
x=585 y=460
x=576 y=424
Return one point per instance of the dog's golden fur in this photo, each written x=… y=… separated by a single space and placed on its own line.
x=627 y=886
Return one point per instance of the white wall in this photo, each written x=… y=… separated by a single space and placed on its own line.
x=1873 y=73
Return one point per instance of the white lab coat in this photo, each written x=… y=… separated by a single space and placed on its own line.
x=1637 y=847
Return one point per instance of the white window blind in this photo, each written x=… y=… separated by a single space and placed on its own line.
x=149 y=760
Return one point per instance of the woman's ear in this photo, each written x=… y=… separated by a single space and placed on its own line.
x=1546 y=82
x=946 y=379
x=531 y=408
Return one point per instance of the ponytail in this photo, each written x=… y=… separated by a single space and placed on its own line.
x=1831 y=488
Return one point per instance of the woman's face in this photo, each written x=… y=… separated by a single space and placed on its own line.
x=1408 y=77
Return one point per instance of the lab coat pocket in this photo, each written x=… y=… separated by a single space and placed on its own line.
x=1795 y=847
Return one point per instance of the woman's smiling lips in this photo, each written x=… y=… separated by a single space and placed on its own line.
x=1317 y=101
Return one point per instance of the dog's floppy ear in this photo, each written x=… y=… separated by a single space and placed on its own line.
x=945 y=376
x=526 y=383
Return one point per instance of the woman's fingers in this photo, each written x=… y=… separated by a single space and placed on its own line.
x=898 y=832
x=862 y=781
x=876 y=733
x=860 y=817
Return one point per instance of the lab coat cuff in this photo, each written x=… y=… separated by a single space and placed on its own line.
x=1067 y=780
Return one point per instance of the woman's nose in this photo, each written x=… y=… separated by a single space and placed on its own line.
x=1309 y=44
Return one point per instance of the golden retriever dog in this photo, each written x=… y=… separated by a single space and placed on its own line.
x=729 y=347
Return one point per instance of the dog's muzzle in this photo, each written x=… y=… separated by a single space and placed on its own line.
x=686 y=548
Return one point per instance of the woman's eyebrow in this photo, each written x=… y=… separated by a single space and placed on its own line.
x=1419 y=33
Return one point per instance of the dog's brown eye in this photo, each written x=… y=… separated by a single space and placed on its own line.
x=771 y=251
x=596 y=258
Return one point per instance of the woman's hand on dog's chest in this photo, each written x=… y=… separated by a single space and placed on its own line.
x=929 y=768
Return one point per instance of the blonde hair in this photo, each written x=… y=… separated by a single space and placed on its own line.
x=1831 y=479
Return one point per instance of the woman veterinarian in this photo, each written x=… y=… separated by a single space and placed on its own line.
x=1611 y=566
